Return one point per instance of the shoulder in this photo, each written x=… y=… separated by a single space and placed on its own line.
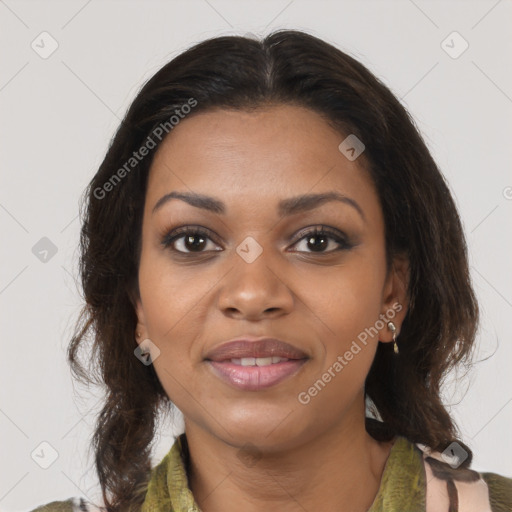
x=451 y=487
x=500 y=491
x=172 y=462
x=69 y=505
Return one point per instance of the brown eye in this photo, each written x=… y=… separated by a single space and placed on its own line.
x=322 y=240
x=317 y=243
x=194 y=243
x=188 y=240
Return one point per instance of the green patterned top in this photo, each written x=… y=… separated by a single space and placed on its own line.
x=414 y=480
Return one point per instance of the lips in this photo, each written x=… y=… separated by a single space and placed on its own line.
x=255 y=364
x=256 y=348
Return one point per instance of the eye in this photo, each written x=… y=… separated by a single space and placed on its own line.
x=195 y=239
x=187 y=240
x=321 y=238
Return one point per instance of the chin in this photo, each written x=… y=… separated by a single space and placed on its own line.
x=268 y=430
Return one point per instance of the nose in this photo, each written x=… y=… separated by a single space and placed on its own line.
x=255 y=291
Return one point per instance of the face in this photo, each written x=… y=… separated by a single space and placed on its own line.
x=259 y=269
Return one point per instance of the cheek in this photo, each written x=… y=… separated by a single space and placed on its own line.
x=172 y=297
x=348 y=301
x=176 y=304
x=349 y=347
x=348 y=298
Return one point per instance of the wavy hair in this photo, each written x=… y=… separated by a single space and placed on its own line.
x=421 y=221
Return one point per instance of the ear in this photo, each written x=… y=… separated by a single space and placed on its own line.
x=395 y=297
x=141 y=328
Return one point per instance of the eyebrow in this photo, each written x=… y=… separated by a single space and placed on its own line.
x=286 y=207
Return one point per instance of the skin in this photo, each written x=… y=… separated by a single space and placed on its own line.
x=308 y=457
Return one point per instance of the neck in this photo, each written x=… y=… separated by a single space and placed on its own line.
x=338 y=470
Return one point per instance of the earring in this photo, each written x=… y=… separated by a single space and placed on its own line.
x=138 y=334
x=392 y=328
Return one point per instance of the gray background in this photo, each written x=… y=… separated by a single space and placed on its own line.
x=58 y=114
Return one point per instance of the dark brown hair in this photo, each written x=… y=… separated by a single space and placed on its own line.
x=421 y=221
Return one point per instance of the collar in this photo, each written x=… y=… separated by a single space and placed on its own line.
x=402 y=485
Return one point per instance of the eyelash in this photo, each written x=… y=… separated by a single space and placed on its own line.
x=176 y=234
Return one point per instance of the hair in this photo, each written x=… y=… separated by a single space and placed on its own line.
x=287 y=67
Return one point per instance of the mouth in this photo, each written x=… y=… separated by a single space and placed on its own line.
x=255 y=364
x=248 y=348
x=257 y=361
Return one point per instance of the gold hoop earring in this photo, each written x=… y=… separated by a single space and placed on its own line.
x=392 y=328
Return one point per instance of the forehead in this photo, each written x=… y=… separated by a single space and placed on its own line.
x=258 y=156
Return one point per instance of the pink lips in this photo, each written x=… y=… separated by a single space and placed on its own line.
x=253 y=378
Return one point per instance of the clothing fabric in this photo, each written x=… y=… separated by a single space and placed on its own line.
x=415 y=479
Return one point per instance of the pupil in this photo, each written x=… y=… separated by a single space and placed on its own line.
x=321 y=246
x=194 y=246
x=189 y=242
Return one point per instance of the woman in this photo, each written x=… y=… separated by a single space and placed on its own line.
x=269 y=246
